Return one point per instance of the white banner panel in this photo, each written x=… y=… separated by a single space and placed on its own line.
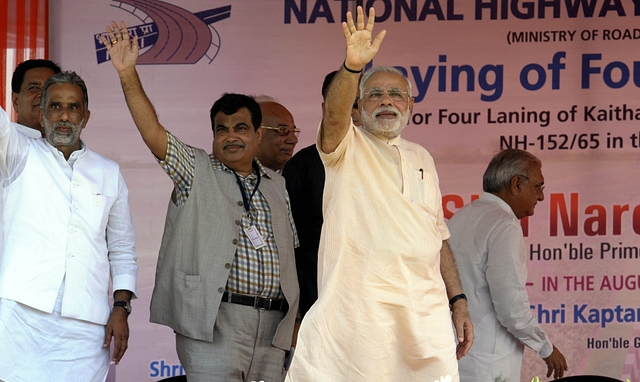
x=557 y=78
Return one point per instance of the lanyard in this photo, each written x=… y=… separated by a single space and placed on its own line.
x=245 y=200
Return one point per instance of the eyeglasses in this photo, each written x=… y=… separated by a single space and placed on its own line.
x=539 y=186
x=396 y=95
x=284 y=131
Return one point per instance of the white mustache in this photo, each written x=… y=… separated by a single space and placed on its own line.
x=384 y=109
x=63 y=124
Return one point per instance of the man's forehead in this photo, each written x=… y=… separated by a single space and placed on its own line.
x=386 y=80
x=241 y=116
x=37 y=75
x=536 y=173
x=64 y=92
x=276 y=114
x=278 y=120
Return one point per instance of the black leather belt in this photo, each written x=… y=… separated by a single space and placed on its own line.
x=255 y=301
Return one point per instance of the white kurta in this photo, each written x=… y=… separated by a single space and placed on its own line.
x=39 y=346
x=29 y=132
x=67 y=228
x=382 y=312
x=488 y=246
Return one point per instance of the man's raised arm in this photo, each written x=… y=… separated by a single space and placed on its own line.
x=124 y=55
x=360 y=50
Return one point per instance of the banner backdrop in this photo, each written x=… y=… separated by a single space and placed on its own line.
x=557 y=78
x=23 y=35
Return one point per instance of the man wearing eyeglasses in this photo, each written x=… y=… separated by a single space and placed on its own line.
x=488 y=246
x=279 y=136
x=226 y=278
x=382 y=312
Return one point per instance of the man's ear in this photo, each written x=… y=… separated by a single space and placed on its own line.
x=40 y=117
x=516 y=184
x=14 y=101
x=259 y=134
x=86 y=118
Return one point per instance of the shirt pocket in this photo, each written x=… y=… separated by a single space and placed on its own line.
x=92 y=208
x=426 y=190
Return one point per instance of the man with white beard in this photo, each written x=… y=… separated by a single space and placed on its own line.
x=382 y=311
x=68 y=237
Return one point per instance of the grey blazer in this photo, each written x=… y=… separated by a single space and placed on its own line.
x=198 y=248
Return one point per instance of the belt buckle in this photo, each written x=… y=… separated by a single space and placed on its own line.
x=256 y=300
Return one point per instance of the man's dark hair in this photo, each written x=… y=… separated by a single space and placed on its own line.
x=327 y=81
x=65 y=78
x=230 y=103
x=23 y=67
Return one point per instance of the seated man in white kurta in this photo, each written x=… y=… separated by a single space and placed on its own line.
x=382 y=312
x=68 y=231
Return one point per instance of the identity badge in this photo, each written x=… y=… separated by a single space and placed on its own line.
x=255 y=237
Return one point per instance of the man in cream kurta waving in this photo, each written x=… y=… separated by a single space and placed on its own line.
x=382 y=312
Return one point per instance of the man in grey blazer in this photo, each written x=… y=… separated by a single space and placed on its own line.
x=226 y=278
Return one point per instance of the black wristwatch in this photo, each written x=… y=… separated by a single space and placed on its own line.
x=124 y=305
x=456 y=298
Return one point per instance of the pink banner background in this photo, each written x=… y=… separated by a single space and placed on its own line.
x=284 y=50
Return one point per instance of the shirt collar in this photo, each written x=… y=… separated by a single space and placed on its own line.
x=392 y=142
x=489 y=197
x=223 y=167
x=74 y=155
x=257 y=163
